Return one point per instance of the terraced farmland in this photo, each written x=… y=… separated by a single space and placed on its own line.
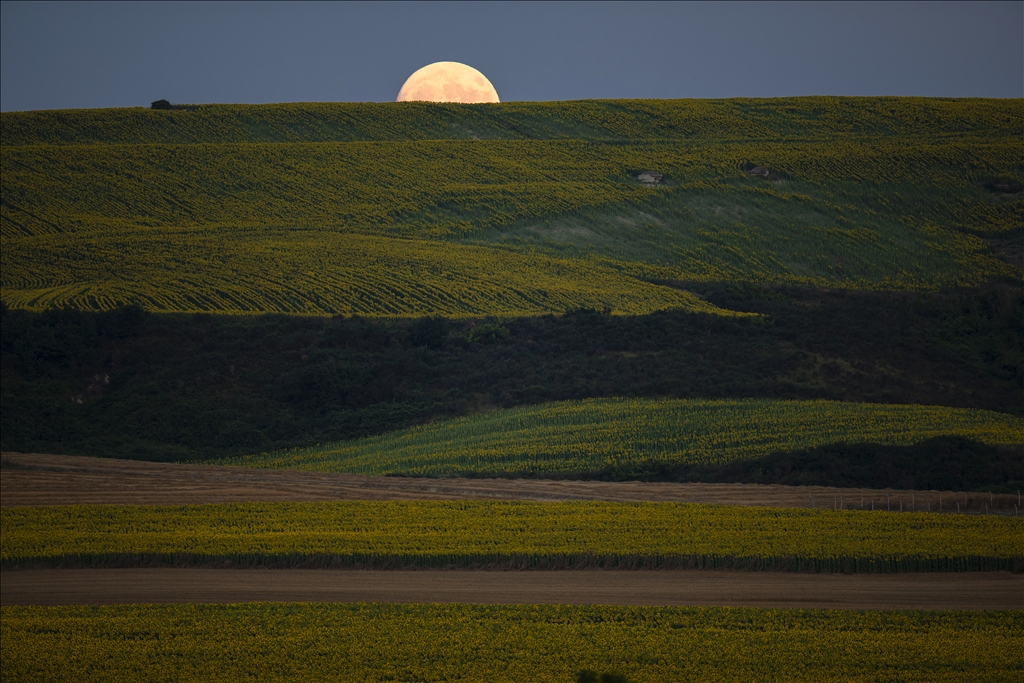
x=586 y=436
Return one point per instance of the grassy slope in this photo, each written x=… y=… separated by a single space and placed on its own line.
x=173 y=208
x=593 y=435
x=818 y=234
x=315 y=274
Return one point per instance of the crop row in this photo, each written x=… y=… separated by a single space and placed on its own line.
x=309 y=273
x=590 y=435
x=262 y=228
x=449 y=187
x=425 y=188
x=759 y=235
x=543 y=643
x=190 y=227
x=507 y=534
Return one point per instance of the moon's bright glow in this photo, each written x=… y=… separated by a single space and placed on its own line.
x=448 y=82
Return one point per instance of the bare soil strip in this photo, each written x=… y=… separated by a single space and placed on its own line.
x=38 y=479
x=968 y=591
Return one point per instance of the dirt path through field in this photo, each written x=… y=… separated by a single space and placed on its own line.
x=38 y=479
x=965 y=591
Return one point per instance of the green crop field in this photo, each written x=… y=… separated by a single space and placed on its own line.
x=419 y=289
x=338 y=274
x=587 y=436
x=577 y=534
x=370 y=643
x=512 y=209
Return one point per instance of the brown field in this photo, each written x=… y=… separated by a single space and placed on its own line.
x=38 y=479
x=967 y=591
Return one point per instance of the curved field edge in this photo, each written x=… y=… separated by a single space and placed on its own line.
x=620 y=434
x=512 y=535
x=324 y=274
x=544 y=643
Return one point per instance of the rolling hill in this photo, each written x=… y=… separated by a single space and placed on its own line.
x=398 y=210
x=374 y=267
x=629 y=435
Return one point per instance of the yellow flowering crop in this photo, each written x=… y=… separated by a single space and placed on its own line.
x=371 y=643
x=507 y=534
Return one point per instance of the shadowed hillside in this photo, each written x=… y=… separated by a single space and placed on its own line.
x=131 y=384
x=375 y=267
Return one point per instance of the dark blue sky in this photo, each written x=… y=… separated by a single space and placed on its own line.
x=59 y=55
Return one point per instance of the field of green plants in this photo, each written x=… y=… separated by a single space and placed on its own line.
x=258 y=208
x=595 y=434
x=519 y=535
x=308 y=273
x=544 y=643
x=342 y=212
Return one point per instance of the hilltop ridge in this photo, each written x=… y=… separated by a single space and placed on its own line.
x=604 y=120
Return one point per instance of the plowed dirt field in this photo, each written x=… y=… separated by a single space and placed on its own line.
x=966 y=591
x=38 y=479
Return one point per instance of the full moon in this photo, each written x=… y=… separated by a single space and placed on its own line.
x=448 y=82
